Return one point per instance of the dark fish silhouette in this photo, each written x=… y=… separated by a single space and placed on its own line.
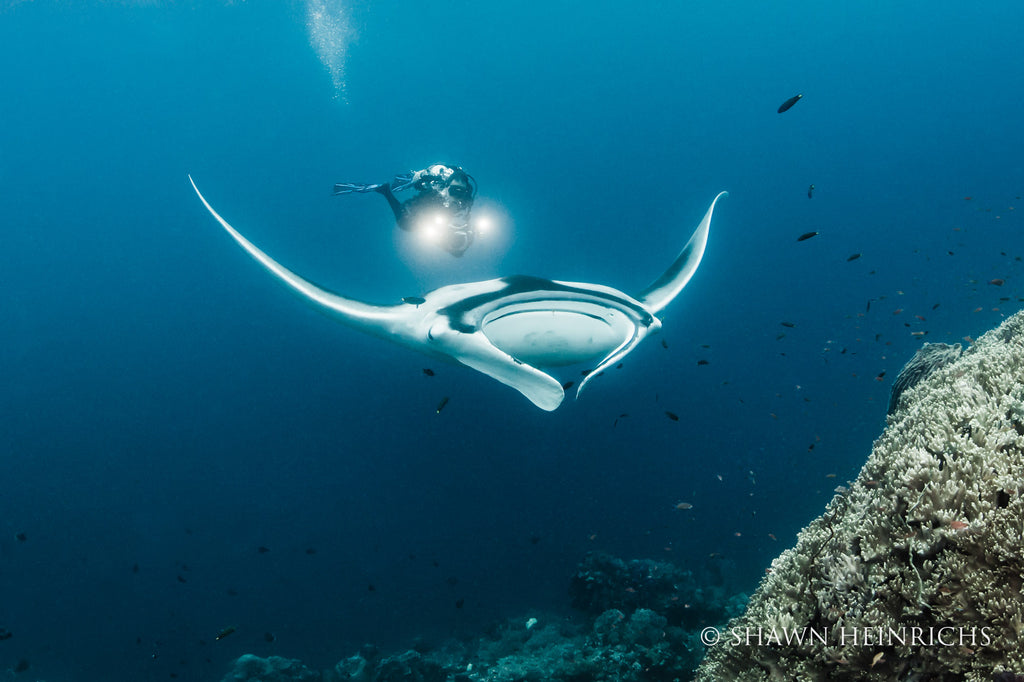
x=853 y=257
x=429 y=372
x=788 y=104
x=440 y=405
x=224 y=633
x=810 y=192
x=672 y=415
x=806 y=235
x=567 y=385
x=413 y=300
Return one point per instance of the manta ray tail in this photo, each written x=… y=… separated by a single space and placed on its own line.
x=661 y=292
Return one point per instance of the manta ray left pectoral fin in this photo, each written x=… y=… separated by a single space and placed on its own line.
x=661 y=292
x=476 y=351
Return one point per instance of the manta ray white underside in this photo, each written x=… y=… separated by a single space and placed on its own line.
x=510 y=328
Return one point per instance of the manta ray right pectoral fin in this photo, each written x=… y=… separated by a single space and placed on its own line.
x=476 y=351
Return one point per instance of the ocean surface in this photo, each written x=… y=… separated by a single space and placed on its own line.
x=186 y=447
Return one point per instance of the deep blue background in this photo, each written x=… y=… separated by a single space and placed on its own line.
x=166 y=403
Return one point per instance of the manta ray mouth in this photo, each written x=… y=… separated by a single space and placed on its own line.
x=558 y=337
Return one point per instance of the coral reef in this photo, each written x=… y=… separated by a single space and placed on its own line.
x=927 y=359
x=641 y=623
x=272 y=669
x=604 y=582
x=915 y=572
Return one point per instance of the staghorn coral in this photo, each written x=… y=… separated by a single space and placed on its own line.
x=916 y=572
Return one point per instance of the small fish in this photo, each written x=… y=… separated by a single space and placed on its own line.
x=567 y=385
x=181 y=579
x=876 y=658
x=413 y=300
x=262 y=550
x=788 y=104
x=701 y=363
x=787 y=324
x=810 y=192
x=805 y=236
x=672 y=415
x=997 y=282
x=853 y=257
x=371 y=588
x=5 y=634
x=429 y=372
x=440 y=405
x=958 y=525
x=664 y=343
x=683 y=506
x=225 y=632
x=20 y=537
x=311 y=551
x=269 y=637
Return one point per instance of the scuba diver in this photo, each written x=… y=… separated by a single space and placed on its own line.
x=441 y=206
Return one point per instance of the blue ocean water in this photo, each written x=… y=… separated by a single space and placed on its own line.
x=169 y=409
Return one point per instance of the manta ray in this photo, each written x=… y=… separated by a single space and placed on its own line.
x=512 y=328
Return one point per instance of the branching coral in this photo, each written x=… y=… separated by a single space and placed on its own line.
x=929 y=539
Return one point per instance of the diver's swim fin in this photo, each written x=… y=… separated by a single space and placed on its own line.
x=349 y=187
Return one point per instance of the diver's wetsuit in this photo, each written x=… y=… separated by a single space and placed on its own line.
x=443 y=191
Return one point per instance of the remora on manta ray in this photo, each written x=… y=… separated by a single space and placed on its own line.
x=508 y=328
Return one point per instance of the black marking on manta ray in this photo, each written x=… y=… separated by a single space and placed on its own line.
x=519 y=284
